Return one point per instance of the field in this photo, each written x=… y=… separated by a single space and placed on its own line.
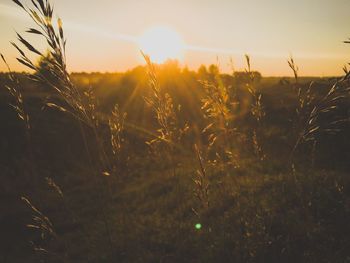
x=166 y=164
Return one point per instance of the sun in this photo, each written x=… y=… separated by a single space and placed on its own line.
x=162 y=43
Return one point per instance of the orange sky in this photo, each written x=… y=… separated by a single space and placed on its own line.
x=101 y=34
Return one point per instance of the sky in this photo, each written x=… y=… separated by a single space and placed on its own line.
x=101 y=34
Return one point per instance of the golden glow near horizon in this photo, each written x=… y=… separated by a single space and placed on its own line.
x=105 y=35
x=162 y=43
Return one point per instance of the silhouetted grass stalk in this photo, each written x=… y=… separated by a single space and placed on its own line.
x=311 y=109
x=256 y=110
x=217 y=107
x=169 y=132
x=201 y=181
x=116 y=126
x=81 y=105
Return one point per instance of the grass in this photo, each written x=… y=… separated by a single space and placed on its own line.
x=99 y=196
x=153 y=219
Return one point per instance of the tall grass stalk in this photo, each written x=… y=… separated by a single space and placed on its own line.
x=169 y=132
x=117 y=126
x=79 y=104
x=201 y=189
x=218 y=107
x=256 y=110
x=311 y=111
x=16 y=94
x=42 y=224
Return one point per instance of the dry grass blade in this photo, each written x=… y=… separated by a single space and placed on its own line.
x=18 y=3
x=34 y=31
x=201 y=190
x=52 y=184
x=294 y=68
x=14 y=90
x=40 y=221
x=117 y=126
x=257 y=111
x=60 y=28
x=28 y=45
